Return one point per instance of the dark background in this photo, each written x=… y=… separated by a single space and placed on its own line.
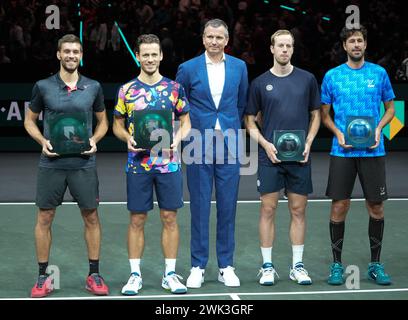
x=28 y=48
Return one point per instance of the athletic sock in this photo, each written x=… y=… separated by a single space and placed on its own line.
x=336 y=236
x=375 y=234
x=93 y=266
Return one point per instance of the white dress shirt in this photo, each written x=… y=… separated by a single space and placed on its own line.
x=216 y=79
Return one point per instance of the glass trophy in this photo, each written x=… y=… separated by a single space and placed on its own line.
x=152 y=127
x=69 y=132
x=290 y=144
x=360 y=131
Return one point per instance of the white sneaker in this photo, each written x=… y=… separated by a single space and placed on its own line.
x=196 y=278
x=228 y=277
x=267 y=273
x=171 y=282
x=134 y=284
x=298 y=273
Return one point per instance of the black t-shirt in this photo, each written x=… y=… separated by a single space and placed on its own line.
x=284 y=102
x=52 y=96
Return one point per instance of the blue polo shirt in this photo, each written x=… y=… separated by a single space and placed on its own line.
x=53 y=96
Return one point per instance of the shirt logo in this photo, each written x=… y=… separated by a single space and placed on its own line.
x=370 y=84
x=269 y=87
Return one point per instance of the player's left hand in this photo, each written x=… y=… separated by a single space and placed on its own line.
x=168 y=153
x=93 y=147
x=377 y=138
x=306 y=153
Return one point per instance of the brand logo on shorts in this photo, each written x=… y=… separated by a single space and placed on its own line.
x=382 y=191
x=269 y=87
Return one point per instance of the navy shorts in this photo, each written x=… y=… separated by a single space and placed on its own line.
x=168 y=187
x=293 y=176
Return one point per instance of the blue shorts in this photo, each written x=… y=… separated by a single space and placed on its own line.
x=293 y=176
x=168 y=186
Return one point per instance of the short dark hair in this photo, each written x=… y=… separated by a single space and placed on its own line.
x=348 y=32
x=282 y=32
x=146 y=38
x=216 y=23
x=69 y=38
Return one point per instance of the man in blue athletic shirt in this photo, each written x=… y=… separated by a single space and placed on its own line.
x=284 y=98
x=356 y=88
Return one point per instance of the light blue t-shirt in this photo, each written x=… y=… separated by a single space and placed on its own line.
x=356 y=92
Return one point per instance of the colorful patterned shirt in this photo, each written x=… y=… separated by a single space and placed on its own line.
x=356 y=92
x=136 y=95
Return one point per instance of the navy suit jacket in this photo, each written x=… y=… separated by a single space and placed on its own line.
x=193 y=76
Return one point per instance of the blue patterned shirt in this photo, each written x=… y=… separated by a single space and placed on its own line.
x=356 y=92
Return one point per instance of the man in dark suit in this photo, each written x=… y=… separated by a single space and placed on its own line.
x=216 y=86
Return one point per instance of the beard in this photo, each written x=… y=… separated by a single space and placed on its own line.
x=356 y=59
x=64 y=65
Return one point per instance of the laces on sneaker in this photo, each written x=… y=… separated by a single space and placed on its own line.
x=41 y=280
x=173 y=276
x=301 y=269
x=268 y=269
x=336 y=269
x=97 y=278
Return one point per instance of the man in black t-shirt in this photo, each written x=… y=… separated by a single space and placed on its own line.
x=69 y=96
x=283 y=98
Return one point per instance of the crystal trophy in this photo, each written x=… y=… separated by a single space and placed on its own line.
x=290 y=144
x=360 y=131
x=69 y=132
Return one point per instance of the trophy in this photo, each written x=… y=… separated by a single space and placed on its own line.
x=150 y=125
x=68 y=132
x=360 y=131
x=290 y=144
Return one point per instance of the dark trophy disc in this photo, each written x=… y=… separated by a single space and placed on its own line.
x=359 y=131
x=288 y=145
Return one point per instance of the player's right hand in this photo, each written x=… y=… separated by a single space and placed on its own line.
x=271 y=152
x=131 y=144
x=46 y=149
x=342 y=141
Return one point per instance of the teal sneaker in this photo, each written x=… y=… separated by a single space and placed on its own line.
x=376 y=273
x=336 y=274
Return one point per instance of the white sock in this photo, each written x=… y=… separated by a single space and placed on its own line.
x=135 y=266
x=297 y=254
x=170 y=266
x=266 y=255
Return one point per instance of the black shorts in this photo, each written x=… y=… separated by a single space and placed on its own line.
x=343 y=172
x=52 y=183
x=293 y=176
